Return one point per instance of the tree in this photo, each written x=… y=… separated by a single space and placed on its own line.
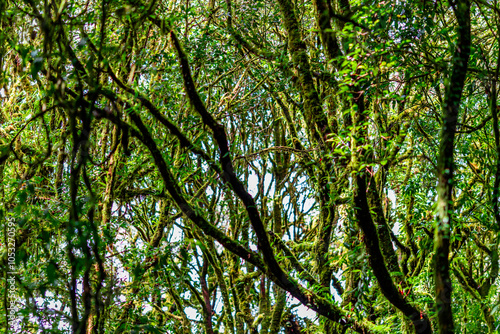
x=222 y=166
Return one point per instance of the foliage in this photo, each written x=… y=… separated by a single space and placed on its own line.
x=224 y=166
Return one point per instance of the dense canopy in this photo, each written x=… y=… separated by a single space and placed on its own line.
x=237 y=166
